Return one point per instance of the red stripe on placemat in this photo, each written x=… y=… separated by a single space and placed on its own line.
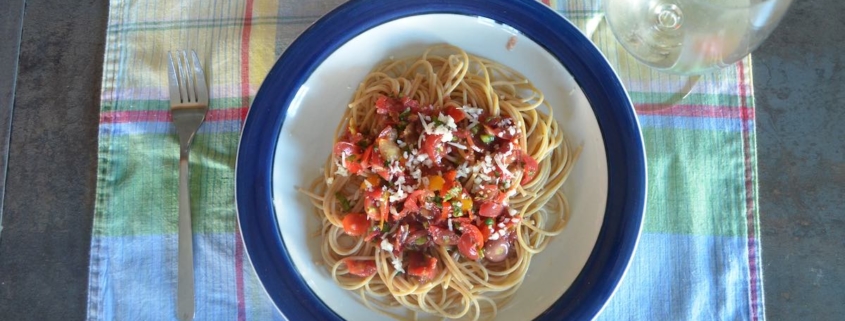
x=547 y=2
x=239 y=250
x=742 y=112
x=116 y=117
x=749 y=194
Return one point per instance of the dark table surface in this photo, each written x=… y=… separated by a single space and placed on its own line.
x=51 y=54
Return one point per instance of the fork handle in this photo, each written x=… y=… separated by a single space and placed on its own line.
x=185 y=286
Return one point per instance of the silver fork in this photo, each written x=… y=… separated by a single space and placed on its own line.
x=188 y=106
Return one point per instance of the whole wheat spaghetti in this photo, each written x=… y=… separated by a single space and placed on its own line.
x=445 y=179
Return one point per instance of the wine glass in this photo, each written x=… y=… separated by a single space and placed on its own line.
x=692 y=37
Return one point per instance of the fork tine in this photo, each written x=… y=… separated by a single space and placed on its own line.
x=189 y=76
x=183 y=85
x=201 y=87
x=172 y=80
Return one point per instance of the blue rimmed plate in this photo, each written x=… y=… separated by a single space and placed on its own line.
x=288 y=135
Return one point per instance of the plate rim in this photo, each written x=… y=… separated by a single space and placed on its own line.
x=625 y=209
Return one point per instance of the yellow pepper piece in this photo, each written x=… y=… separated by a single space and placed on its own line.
x=372 y=179
x=466 y=204
x=435 y=183
x=384 y=198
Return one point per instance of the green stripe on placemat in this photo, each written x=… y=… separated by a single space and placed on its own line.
x=686 y=179
x=151 y=164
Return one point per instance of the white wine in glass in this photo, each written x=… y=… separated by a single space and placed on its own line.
x=692 y=37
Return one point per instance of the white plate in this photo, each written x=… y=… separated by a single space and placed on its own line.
x=303 y=112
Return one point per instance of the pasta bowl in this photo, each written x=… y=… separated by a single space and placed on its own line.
x=290 y=128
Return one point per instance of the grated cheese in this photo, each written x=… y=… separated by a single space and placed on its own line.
x=386 y=246
x=341 y=171
x=457 y=145
x=397 y=264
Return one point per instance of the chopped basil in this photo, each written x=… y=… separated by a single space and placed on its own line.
x=387 y=163
x=486 y=138
x=404 y=115
x=488 y=221
x=421 y=240
x=437 y=199
x=452 y=193
x=385 y=228
x=344 y=203
x=474 y=129
x=437 y=122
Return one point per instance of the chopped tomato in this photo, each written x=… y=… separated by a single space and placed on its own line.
x=386 y=105
x=373 y=234
x=485 y=231
x=355 y=224
x=455 y=113
x=353 y=160
x=427 y=110
x=450 y=175
x=433 y=146
x=377 y=166
x=529 y=168
x=365 y=158
x=442 y=236
x=491 y=209
x=412 y=203
x=447 y=209
x=417 y=238
x=422 y=266
x=494 y=127
x=487 y=192
x=409 y=103
x=466 y=245
x=354 y=167
x=362 y=268
x=371 y=204
x=471 y=240
x=510 y=152
x=346 y=148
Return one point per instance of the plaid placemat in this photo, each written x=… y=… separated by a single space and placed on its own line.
x=698 y=259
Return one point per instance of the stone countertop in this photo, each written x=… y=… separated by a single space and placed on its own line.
x=50 y=182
